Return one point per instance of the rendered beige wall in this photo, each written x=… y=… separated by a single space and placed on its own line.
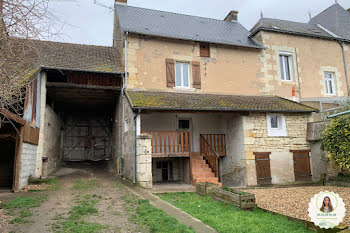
x=226 y=71
x=311 y=57
x=256 y=139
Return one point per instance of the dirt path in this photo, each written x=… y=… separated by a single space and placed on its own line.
x=112 y=213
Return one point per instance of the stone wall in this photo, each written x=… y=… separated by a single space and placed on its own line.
x=27 y=163
x=144 y=161
x=128 y=141
x=53 y=139
x=256 y=139
x=114 y=163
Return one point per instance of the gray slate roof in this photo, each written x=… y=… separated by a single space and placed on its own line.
x=278 y=25
x=336 y=19
x=179 y=26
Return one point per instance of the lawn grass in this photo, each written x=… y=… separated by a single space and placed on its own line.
x=85 y=184
x=75 y=223
x=20 y=208
x=155 y=220
x=226 y=218
x=52 y=184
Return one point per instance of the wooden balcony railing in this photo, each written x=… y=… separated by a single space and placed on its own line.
x=217 y=142
x=170 y=143
x=210 y=155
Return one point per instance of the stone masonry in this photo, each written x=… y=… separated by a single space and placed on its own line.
x=144 y=160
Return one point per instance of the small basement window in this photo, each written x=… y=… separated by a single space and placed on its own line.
x=204 y=49
x=276 y=125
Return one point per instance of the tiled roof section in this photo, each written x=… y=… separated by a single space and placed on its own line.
x=178 y=26
x=211 y=102
x=336 y=19
x=284 y=26
x=79 y=57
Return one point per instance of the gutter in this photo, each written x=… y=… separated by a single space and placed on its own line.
x=339 y=114
x=345 y=69
x=222 y=110
x=121 y=111
x=135 y=145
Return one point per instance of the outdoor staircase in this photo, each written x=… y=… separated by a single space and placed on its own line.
x=201 y=172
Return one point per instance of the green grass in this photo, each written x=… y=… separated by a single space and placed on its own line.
x=20 y=208
x=227 y=218
x=52 y=182
x=84 y=184
x=157 y=221
x=75 y=222
x=343 y=178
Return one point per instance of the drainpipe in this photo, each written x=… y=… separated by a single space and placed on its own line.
x=135 y=144
x=345 y=69
x=121 y=115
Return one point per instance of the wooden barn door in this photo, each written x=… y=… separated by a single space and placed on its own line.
x=263 y=171
x=302 y=169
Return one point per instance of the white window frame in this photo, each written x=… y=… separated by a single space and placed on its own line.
x=329 y=81
x=126 y=125
x=290 y=66
x=182 y=78
x=281 y=131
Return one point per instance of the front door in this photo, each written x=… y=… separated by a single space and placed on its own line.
x=302 y=169
x=164 y=170
x=263 y=170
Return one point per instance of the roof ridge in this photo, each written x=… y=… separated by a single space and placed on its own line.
x=71 y=43
x=176 y=13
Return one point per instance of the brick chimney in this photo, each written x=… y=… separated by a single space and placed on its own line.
x=232 y=16
x=124 y=2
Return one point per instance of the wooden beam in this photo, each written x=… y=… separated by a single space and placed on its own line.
x=71 y=85
x=12 y=116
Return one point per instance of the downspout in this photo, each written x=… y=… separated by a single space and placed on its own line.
x=135 y=144
x=121 y=115
x=345 y=69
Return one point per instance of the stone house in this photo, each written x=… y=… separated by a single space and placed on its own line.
x=196 y=107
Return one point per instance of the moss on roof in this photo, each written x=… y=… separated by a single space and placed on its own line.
x=212 y=102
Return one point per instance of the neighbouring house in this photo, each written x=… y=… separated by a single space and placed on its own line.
x=71 y=113
x=195 y=106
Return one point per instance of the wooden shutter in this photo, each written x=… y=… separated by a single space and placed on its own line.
x=196 y=74
x=170 y=72
x=204 y=49
x=302 y=170
x=263 y=170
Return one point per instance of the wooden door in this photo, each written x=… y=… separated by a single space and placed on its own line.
x=302 y=169
x=263 y=171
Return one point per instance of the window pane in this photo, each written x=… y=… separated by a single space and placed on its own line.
x=178 y=74
x=274 y=122
x=327 y=88
x=185 y=75
x=184 y=124
x=286 y=58
x=282 y=70
x=330 y=87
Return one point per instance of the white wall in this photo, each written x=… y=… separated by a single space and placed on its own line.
x=27 y=164
x=201 y=123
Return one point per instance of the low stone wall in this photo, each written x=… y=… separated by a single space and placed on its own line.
x=28 y=163
x=144 y=160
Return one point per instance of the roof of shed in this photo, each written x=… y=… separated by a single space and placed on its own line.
x=79 y=57
x=170 y=101
x=179 y=26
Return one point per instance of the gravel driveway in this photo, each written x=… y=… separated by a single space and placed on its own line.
x=294 y=201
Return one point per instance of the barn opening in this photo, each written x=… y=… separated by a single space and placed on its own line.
x=81 y=117
x=7 y=155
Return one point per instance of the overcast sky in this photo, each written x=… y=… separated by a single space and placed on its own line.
x=88 y=23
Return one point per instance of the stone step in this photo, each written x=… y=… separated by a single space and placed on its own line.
x=213 y=180
x=201 y=170
x=203 y=175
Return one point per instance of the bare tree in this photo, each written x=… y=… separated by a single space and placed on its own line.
x=22 y=23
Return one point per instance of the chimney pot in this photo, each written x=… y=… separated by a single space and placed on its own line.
x=232 y=16
x=121 y=2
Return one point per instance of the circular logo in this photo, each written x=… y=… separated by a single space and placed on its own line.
x=326 y=209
